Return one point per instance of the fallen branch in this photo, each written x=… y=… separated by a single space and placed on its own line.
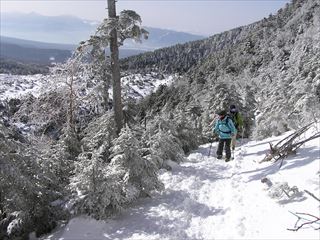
x=288 y=145
x=312 y=195
x=309 y=222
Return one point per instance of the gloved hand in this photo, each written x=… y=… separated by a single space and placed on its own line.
x=213 y=138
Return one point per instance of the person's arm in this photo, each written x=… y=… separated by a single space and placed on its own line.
x=216 y=129
x=232 y=127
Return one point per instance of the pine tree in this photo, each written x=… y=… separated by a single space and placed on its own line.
x=161 y=139
x=111 y=33
x=26 y=190
x=96 y=186
x=140 y=173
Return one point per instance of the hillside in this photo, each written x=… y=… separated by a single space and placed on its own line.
x=270 y=69
x=15 y=67
x=33 y=55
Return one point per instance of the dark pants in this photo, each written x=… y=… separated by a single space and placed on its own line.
x=224 y=143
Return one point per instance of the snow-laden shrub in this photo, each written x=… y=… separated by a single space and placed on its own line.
x=140 y=173
x=167 y=146
x=97 y=188
x=103 y=186
x=26 y=190
x=57 y=157
x=272 y=126
x=160 y=138
x=45 y=114
x=188 y=130
x=98 y=132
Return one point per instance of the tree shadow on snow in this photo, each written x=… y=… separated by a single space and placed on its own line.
x=211 y=173
x=263 y=142
x=262 y=152
x=165 y=216
x=291 y=200
x=204 y=150
x=304 y=157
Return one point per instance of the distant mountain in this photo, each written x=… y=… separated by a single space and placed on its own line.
x=32 y=26
x=20 y=56
x=32 y=54
x=52 y=38
x=36 y=44
x=159 y=38
x=72 y=30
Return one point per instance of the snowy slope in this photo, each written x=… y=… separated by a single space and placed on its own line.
x=134 y=85
x=205 y=198
x=16 y=86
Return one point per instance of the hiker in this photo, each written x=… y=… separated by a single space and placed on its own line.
x=238 y=123
x=225 y=129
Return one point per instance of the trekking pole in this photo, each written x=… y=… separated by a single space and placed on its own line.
x=242 y=133
x=210 y=149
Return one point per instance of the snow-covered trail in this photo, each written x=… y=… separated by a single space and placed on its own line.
x=205 y=198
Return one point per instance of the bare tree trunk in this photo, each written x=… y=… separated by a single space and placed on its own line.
x=106 y=85
x=115 y=69
x=71 y=100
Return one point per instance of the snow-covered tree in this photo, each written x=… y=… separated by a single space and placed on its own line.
x=108 y=178
x=26 y=190
x=96 y=187
x=139 y=173
x=160 y=138
x=112 y=32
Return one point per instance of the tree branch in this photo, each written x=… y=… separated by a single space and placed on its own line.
x=288 y=145
x=312 y=195
x=308 y=221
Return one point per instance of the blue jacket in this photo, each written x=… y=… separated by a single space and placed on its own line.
x=225 y=128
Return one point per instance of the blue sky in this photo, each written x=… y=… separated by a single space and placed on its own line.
x=204 y=17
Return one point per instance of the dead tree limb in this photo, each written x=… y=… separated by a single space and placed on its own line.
x=288 y=145
x=310 y=222
x=312 y=195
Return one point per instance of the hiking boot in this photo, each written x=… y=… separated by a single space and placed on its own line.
x=227 y=159
x=219 y=156
x=233 y=148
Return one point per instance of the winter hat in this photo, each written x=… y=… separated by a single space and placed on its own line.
x=233 y=108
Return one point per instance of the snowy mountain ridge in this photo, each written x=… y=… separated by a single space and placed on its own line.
x=68 y=29
x=135 y=86
x=270 y=68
